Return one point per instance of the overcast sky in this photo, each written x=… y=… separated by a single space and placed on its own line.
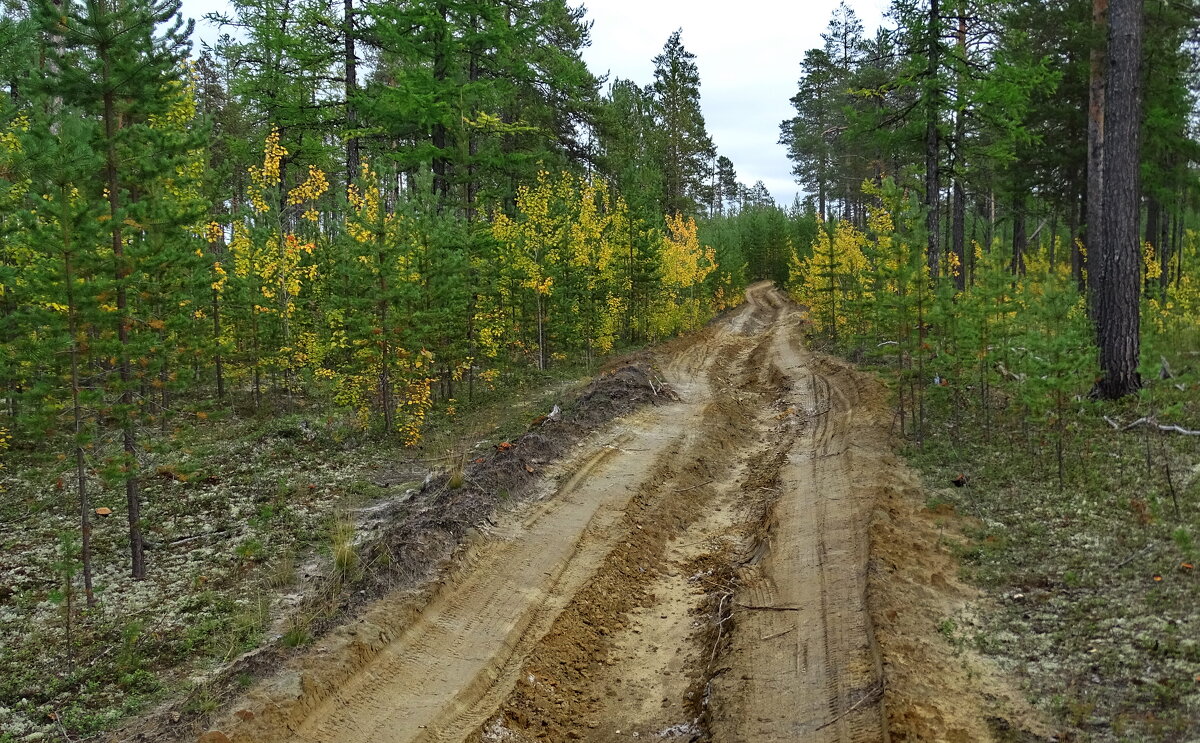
x=748 y=52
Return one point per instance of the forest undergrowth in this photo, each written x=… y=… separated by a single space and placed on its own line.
x=1090 y=587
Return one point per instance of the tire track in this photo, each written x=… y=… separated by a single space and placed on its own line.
x=698 y=573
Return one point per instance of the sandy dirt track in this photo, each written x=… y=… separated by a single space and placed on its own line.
x=696 y=571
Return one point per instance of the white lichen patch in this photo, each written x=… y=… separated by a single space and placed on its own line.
x=227 y=511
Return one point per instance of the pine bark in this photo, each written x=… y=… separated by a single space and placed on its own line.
x=958 y=216
x=133 y=499
x=1119 y=287
x=1095 y=153
x=352 y=146
x=932 y=145
x=441 y=73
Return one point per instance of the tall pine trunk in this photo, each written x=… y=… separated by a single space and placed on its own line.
x=1093 y=221
x=958 y=213
x=932 y=145
x=1119 y=286
x=133 y=499
x=440 y=136
x=352 y=155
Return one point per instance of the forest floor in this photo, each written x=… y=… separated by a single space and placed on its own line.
x=1088 y=589
x=748 y=562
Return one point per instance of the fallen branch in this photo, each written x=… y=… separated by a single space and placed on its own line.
x=720 y=627
x=1150 y=421
x=684 y=490
x=62 y=728
x=194 y=537
x=1036 y=232
x=1130 y=559
x=777 y=634
x=767 y=608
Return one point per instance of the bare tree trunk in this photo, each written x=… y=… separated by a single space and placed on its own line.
x=1176 y=252
x=958 y=211
x=1153 y=214
x=441 y=140
x=1019 y=239
x=217 y=359
x=821 y=197
x=958 y=234
x=121 y=270
x=352 y=153
x=1052 y=251
x=932 y=145
x=85 y=509
x=1093 y=220
x=1073 y=234
x=1119 y=286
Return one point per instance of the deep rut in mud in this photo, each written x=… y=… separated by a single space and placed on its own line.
x=698 y=573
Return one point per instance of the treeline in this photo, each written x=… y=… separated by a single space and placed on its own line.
x=1042 y=131
x=377 y=207
x=1009 y=350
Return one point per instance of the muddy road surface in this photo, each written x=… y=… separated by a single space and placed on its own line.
x=696 y=571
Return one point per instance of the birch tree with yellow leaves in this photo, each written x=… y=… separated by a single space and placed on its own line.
x=271 y=267
x=561 y=266
x=685 y=266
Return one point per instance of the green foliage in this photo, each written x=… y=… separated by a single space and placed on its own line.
x=687 y=150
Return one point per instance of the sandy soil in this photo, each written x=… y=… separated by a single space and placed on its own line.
x=695 y=571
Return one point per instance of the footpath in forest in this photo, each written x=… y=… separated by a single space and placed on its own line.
x=748 y=563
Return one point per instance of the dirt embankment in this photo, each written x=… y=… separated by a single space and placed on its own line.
x=748 y=563
x=936 y=688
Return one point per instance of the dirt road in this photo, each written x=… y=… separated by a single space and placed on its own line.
x=697 y=571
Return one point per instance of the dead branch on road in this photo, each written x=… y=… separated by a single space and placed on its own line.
x=767 y=608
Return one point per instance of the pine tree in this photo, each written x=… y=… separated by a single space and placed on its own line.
x=687 y=149
x=118 y=63
x=1118 y=264
x=726 y=186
